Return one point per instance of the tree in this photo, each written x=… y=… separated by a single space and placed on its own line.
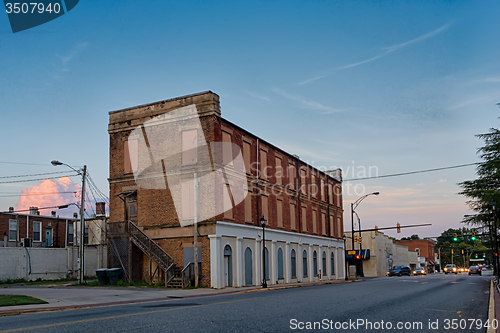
x=412 y=237
x=464 y=243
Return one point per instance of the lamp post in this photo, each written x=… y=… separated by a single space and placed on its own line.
x=83 y=173
x=345 y=258
x=263 y=224
x=355 y=205
x=493 y=205
x=361 y=274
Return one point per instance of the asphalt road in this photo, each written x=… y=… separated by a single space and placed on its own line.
x=374 y=304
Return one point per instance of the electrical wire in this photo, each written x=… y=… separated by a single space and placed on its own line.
x=35 y=174
x=32 y=194
x=32 y=180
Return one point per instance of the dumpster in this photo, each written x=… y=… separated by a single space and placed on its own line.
x=114 y=275
x=102 y=277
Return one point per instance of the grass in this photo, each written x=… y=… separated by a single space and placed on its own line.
x=39 y=281
x=10 y=300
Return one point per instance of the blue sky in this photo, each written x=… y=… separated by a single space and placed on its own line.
x=401 y=86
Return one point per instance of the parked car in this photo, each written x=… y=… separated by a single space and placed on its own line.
x=450 y=268
x=474 y=270
x=419 y=271
x=400 y=270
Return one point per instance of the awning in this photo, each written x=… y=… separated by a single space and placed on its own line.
x=431 y=263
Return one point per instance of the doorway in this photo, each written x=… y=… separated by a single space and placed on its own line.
x=48 y=237
x=228 y=266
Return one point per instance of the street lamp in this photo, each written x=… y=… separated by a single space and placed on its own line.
x=355 y=205
x=83 y=173
x=263 y=224
x=493 y=205
x=361 y=274
x=345 y=258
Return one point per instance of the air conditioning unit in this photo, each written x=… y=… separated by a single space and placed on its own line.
x=27 y=242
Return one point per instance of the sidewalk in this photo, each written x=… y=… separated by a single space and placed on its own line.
x=67 y=297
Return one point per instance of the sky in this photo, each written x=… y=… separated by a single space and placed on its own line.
x=393 y=86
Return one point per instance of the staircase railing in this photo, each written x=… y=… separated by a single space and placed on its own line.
x=188 y=275
x=153 y=250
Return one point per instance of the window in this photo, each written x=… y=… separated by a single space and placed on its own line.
x=37 y=228
x=323 y=223
x=279 y=171
x=70 y=233
x=227 y=151
x=291 y=176
x=332 y=229
x=323 y=272
x=292 y=217
x=330 y=194
x=12 y=230
x=130 y=156
x=322 y=189
x=293 y=264
x=263 y=164
x=187 y=192
x=133 y=209
x=315 y=263
x=279 y=208
x=418 y=251
x=190 y=147
x=332 y=263
x=265 y=209
x=248 y=205
x=228 y=202
x=86 y=236
x=339 y=226
x=315 y=222
x=304 y=263
x=303 y=181
x=247 y=149
x=313 y=187
x=304 y=219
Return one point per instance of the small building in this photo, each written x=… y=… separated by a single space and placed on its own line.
x=424 y=249
x=178 y=169
x=35 y=230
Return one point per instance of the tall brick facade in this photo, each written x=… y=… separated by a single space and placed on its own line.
x=295 y=198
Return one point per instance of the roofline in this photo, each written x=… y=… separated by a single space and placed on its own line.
x=34 y=215
x=165 y=100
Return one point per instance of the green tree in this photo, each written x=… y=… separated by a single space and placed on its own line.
x=412 y=237
x=469 y=247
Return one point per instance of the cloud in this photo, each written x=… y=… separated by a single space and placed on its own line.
x=387 y=51
x=307 y=104
x=73 y=53
x=442 y=181
x=264 y=98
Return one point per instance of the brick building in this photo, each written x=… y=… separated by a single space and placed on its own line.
x=44 y=231
x=170 y=178
x=424 y=249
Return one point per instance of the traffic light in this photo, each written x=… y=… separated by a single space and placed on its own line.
x=473 y=236
x=476 y=255
x=376 y=231
x=399 y=228
x=455 y=237
x=484 y=255
x=355 y=238
x=358 y=257
x=359 y=239
x=462 y=251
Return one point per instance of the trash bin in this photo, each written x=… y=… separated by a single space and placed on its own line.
x=114 y=275
x=102 y=277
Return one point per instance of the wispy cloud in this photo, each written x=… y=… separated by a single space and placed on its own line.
x=387 y=50
x=65 y=59
x=307 y=104
x=264 y=98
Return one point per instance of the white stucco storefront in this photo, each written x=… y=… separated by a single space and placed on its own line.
x=235 y=256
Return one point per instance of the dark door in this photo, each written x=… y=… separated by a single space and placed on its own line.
x=248 y=267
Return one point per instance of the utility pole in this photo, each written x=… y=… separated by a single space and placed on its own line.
x=452 y=256
x=195 y=231
x=82 y=228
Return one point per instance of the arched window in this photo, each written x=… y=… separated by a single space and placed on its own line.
x=304 y=263
x=332 y=264
x=293 y=265
x=324 y=264
x=315 y=263
x=281 y=276
x=266 y=263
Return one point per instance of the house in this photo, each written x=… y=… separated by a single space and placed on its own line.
x=32 y=229
x=424 y=249
x=182 y=177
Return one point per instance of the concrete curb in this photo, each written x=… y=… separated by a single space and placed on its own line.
x=95 y=305
x=491 y=309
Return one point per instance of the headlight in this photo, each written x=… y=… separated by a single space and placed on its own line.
x=388 y=272
x=446 y=269
x=454 y=269
x=414 y=272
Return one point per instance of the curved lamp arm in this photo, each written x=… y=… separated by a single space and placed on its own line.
x=357 y=202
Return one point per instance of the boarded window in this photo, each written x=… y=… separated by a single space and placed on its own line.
x=187 y=189
x=279 y=171
x=292 y=217
x=339 y=227
x=315 y=227
x=263 y=164
x=227 y=152
x=247 y=156
x=304 y=219
x=228 y=203
x=291 y=176
x=131 y=159
x=190 y=147
x=303 y=181
x=323 y=223
x=248 y=206
x=322 y=189
x=332 y=229
x=293 y=261
x=279 y=208
x=265 y=209
x=330 y=194
x=313 y=187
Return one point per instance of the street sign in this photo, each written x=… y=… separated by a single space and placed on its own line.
x=351 y=252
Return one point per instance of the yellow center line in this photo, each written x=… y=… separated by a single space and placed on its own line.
x=121 y=316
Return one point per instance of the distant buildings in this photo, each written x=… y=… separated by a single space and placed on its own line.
x=424 y=249
x=155 y=152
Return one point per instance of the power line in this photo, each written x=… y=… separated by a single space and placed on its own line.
x=32 y=180
x=413 y=172
x=35 y=174
x=25 y=163
x=33 y=194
